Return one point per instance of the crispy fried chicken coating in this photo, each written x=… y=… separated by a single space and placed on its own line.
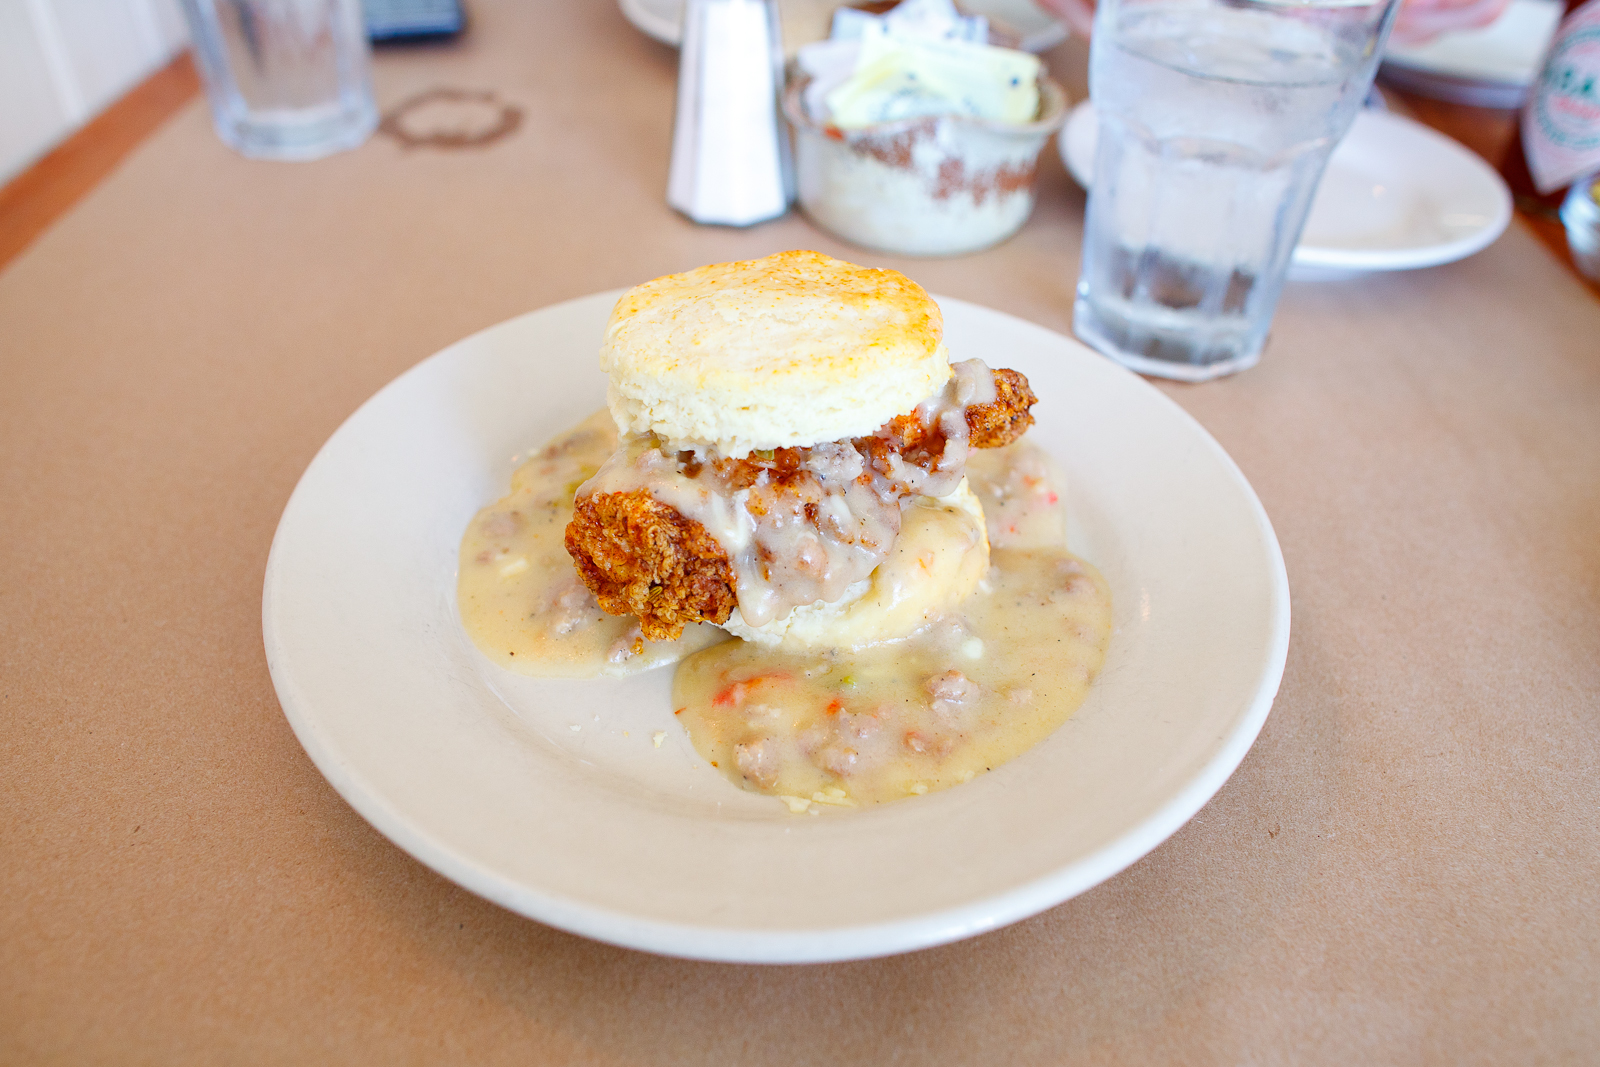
x=991 y=425
x=1007 y=418
x=641 y=557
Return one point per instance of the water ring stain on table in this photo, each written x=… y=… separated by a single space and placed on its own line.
x=451 y=118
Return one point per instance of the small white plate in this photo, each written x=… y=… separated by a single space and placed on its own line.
x=1395 y=196
x=550 y=797
x=1035 y=30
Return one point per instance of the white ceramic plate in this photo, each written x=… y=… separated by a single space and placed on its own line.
x=550 y=797
x=1395 y=196
x=805 y=21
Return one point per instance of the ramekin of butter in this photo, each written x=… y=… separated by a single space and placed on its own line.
x=918 y=140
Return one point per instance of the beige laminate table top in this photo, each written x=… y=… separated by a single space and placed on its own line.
x=1406 y=868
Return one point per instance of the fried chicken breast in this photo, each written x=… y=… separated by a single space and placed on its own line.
x=777 y=416
x=641 y=557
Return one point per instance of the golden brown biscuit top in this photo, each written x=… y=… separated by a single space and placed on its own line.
x=792 y=349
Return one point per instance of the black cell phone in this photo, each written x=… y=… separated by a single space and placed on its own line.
x=412 y=20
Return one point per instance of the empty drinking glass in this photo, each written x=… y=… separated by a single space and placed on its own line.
x=287 y=79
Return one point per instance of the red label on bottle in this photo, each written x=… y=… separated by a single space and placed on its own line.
x=1561 y=124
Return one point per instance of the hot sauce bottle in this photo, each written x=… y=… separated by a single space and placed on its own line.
x=1559 y=136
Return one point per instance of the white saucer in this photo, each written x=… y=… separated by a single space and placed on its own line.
x=551 y=798
x=1395 y=196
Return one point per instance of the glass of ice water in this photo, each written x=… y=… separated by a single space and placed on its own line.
x=287 y=79
x=1216 y=118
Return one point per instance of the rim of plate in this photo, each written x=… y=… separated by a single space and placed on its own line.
x=307 y=711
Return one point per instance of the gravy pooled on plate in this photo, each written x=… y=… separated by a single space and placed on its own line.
x=978 y=685
x=520 y=600
x=798 y=461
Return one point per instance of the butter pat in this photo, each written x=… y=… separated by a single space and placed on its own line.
x=899 y=77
